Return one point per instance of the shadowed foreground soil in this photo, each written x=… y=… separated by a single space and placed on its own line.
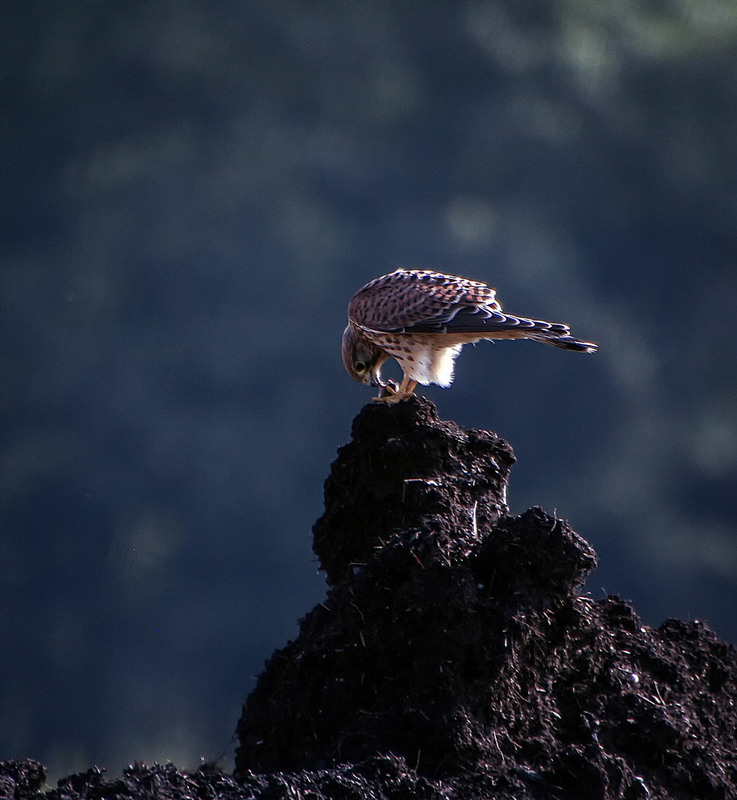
x=454 y=658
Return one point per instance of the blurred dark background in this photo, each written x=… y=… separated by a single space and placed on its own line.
x=191 y=192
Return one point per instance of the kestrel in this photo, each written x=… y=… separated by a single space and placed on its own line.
x=423 y=319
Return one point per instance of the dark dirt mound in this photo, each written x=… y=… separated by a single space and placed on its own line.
x=454 y=658
x=454 y=637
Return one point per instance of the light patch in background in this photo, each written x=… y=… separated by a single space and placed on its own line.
x=512 y=46
x=714 y=446
x=715 y=20
x=587 y=47
x=177 y=730
x=72 y=754
x=471 y=222
x=544 y=119
x=629 y=484
x=141 y=551
x=710 y=544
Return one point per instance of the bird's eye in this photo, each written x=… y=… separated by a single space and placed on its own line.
x=360 y=366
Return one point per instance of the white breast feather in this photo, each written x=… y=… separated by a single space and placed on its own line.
x=432 y=365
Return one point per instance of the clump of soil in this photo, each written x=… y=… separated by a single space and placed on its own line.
x=454 y=637
x=454 y=656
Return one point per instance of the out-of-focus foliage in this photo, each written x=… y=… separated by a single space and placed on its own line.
x=190 y=194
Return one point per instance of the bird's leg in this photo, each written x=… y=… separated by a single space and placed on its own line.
x=407 y=386
x=405 y=390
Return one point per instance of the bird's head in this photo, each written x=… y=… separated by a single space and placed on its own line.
x=362 y=359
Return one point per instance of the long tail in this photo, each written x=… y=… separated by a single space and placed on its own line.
x=493 y=324
x=557 y=334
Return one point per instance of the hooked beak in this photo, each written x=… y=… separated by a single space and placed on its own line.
x=375 y=372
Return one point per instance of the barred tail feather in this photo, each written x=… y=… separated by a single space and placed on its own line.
x=566 y=341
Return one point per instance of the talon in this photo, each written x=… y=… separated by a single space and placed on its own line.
x=387 y=392
x=391 y=393
x=391 y=399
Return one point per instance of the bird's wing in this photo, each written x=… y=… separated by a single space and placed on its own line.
x=483 y=320
x=495 y=324
x=419 y=300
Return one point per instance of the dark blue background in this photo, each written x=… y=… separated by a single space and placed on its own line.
x=192 y=191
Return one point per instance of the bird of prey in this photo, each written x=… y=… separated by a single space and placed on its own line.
x=422 y=319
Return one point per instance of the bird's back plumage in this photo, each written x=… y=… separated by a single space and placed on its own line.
x=408 y=297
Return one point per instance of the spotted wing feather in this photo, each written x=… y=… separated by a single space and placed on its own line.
x=408 y=299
